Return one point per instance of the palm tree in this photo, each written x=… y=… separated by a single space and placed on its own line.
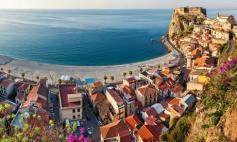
x=105 y=78
x=158 y=66
x=141 y=69
x=112 y=78
x=130 y=73
x=59 y=81
x=37 y=77
x=9 y=72
x=124 y=74
x=2 y=69
x=23 y=75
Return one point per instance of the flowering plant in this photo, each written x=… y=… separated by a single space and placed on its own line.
x=228 y=65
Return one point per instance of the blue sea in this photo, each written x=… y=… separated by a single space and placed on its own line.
x=85 y=37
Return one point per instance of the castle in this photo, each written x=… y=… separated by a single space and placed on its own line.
x=191 y=10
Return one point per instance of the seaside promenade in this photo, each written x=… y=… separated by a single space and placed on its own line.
x=54 y=72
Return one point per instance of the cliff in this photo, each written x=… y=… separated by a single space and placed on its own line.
x=185 y=17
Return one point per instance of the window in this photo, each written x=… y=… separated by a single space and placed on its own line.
x=73 y=111
x=78 y=110
x=78 y=116
x=74 y=117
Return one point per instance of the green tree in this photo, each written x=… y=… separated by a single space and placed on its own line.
x=23 y=75
x=37 y=77
x=59 y=81
x=105 y=78
x=124 y=74
x=9 y=72
x=112 y=78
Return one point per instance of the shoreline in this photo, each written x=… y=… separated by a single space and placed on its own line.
x=53 y=72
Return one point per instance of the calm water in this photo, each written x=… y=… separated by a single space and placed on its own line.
x=84 y=37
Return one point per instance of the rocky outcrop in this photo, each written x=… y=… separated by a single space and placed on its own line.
x=185 y=17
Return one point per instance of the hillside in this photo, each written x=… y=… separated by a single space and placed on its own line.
x=213 y=119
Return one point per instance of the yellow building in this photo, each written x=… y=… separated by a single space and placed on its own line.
x=203 y=79
x=147 y=95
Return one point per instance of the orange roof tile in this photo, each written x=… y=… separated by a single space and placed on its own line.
x=128 y=90
x=64 y=91
x=97 y=97
x=150 y=132
x=5 y=83
x=174 y=101
x=177 y=88
x=39 y=94
x=115 y=96
x=132 y=121
x=98 y=84
x=115 y=129
x=150 y=111
x=147 y=90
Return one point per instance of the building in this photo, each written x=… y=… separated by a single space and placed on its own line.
x=150 y=133
x=7 y=88
x=22 y=90
x=128 y=96
x=38 y=97
x=133 y=82
x=117 y=131
x=166 y=86
x=149 y=112
x=177 y=90
x=198 y=11
x=71 y=102
x=195 y=85
x=227 y=22
x=235 y=31
x=134 y=124
x=175 y=108
x=118 y=106
x=147 y=95
x=188 y=101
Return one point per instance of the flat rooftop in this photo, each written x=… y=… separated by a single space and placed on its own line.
x=65 y=91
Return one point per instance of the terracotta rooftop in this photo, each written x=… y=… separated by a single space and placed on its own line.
x=204 y=61
x=5 y=83
x=147 y=90
x=197 y=52
x=38 y=94
x=97 y=97
x=150 y=132
x=128 y=90
x=98 y=84
x=174 y=101
x=115 y=96
x=150 y=111
x=132 y=121
x=177 y=88
x=132 y=80
x=22 y=86
x=64 y=91
x=115 y=129
x=158 y=80
x=178 y=109
x=167 y=84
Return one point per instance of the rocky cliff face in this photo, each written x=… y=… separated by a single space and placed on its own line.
x=185 y=17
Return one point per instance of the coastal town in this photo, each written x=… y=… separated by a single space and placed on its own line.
x=141 y=106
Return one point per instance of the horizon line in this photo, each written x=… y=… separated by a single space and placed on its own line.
x=110 y=8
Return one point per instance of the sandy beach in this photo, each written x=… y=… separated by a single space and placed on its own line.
x=53 y=72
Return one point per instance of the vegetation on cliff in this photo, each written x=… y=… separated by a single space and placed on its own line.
x=212 y=119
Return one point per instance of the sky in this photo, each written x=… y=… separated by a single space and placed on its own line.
x=114 y=4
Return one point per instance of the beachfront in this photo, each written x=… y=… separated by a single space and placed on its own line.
x=54 y=72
